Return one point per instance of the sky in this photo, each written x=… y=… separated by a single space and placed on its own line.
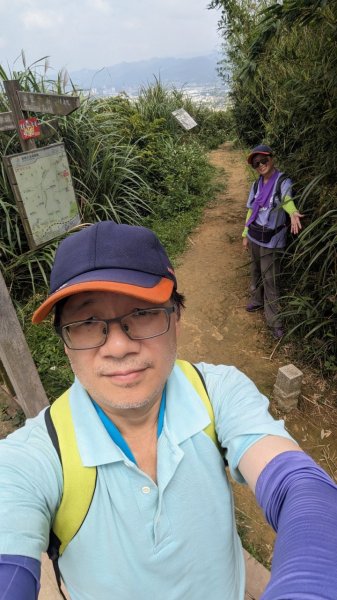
x=92 y=34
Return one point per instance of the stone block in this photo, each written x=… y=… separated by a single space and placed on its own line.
x=289 y=379
x=285 y=402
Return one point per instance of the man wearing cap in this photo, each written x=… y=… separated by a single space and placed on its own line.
x=265 y=233
x=161 y=521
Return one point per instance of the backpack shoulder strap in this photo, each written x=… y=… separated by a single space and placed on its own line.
x=79 y=482
x=281 y=179
x=255 y=185
x=196 y=379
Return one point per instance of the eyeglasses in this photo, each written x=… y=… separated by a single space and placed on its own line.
x=262 y=161
x=141 y=324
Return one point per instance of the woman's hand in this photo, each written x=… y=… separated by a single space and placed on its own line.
x=245 y=242
x=296 y=225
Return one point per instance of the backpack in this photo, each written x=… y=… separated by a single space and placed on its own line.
x=74 y=506
x=262 y=233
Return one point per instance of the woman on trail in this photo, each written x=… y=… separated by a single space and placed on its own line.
x=270 y=207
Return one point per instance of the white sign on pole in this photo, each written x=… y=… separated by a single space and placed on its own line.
x=44 y=192
x=185 y=120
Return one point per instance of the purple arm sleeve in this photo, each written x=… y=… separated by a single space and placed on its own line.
x=19 y=577
x=300 y=502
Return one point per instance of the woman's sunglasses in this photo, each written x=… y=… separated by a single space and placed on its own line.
x=259 y=163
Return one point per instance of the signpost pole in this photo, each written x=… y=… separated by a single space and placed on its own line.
x=12 y=88
x=17 y=360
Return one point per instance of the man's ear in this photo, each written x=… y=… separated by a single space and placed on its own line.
x=66 y=351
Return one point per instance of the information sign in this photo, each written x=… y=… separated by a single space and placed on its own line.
x=185 y=119
x=29 y=128
x=44 y=192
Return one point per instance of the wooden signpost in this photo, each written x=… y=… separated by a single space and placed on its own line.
x=14 y=352
x=21 y=102
x=17 y=360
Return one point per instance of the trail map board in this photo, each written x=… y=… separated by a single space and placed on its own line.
x=44 y=192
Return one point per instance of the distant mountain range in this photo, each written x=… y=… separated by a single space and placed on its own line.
x=199 y=71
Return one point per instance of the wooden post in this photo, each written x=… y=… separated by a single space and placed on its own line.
x=17 y=360
x=14 y=352
x=12 y=88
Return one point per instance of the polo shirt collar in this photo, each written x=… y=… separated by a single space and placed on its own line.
x=185 y=413
x=185 y=416
x=94 y=443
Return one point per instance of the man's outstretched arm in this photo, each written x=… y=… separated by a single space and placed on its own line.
x=19 y=577
x=299 y=501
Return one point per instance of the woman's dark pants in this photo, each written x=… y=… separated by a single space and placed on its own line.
x=265 y=276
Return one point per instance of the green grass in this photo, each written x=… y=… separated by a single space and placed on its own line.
x=173 y=233
x=47 y=350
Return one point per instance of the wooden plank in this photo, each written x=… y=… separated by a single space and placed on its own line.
x=54 y=104
x=7 y=121
x=17 y=360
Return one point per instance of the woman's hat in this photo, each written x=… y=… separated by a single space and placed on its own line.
x=262 y=149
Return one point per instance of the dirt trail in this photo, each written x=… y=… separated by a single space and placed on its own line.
x=213 y=274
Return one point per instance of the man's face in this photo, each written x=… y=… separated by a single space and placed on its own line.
x=122 y=374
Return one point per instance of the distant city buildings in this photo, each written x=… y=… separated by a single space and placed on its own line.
x=197 y=77
x=213 y=96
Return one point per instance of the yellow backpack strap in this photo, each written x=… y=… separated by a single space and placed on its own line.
x=79 y=482
x=196 y=379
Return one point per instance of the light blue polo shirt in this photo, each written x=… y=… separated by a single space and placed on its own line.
x=174 y=540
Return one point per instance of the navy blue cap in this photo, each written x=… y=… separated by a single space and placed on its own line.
x=110 y=257
x=262 y=149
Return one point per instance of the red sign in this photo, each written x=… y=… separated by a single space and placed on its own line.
x=29 y=128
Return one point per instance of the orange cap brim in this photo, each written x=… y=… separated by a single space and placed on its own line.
x=157 y=295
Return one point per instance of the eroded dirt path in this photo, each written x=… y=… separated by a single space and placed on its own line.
x=214 y=275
